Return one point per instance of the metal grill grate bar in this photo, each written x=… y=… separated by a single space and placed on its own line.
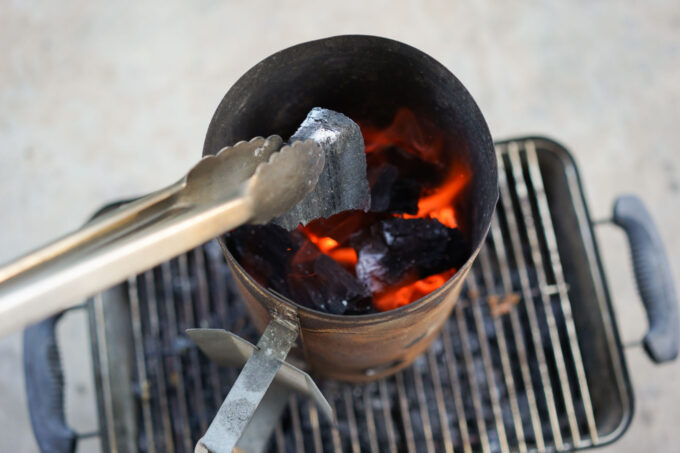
x=505 y=358
x=441 y=406
x=316 y=431
x=103 y=359
x=335 y=434
x=194 y=364
x=488 y=368
x=545 y=222
x=155 y=361
x=516 y=331
x=469 y=366
x=140 y=363
x=386 y=408
x=405 y=414
x=456 y=388
x=536 y=256
x=516 y=246
x=297 y=424
x=422 y=408
x=352 y=420
x=177 y=367
x=370 y=419
x=202 y=304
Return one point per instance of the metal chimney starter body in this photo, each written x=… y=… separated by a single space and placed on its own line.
x=368 y=79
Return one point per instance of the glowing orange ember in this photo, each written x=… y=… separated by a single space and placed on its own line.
x=346 y=256
x=404 y=295
x=426 y=142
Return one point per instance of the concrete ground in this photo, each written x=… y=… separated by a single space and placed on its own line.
x=100 y=101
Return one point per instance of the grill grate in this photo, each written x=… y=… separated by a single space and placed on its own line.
x=490 y=382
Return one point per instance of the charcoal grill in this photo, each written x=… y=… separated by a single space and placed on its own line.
x=545 y=374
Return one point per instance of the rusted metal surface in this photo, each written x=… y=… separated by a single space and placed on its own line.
x=362 y=348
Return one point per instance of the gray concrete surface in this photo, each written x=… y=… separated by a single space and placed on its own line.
x=101 y=100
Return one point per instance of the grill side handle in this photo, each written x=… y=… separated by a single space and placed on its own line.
x=45 y=388
x=653 y=277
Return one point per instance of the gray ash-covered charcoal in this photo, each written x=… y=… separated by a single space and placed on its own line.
x=342 y=184
x=317 y=281
x=401 y=250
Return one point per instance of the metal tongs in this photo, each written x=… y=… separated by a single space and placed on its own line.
x=250 y=182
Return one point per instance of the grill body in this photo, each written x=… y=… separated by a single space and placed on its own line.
x=548 y=375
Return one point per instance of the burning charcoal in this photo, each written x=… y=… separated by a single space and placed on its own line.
x=293 y=266
x=265 y=252
x=397 y=179
x=371 y=270
x=357 y=262
x=405 y=196
x=401 y=250
x=382 y=179
x=317 y=281
x=342 y=184
x=341 y=227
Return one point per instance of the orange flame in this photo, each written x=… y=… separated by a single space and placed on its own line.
x=425 y=141
x=406 y=132
x=439 y=204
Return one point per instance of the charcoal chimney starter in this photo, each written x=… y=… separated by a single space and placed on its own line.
x=369 y=79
